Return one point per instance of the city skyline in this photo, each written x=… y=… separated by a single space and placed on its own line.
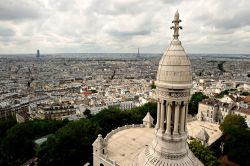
x=122 y=26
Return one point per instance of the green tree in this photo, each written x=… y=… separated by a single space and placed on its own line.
x=138 y=113
x=70 y=145
x=17 y=146
x=236 y=136
x=5 y=125
x=194 y=102
x=225 y=92
x=87 y=113
x=93 y=91
x=203 y=154
x=153 y=86
x=233 y=122
x=245 y=93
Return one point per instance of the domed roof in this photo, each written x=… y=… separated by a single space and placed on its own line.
x=148 y=118
x=174 y=70
x=203 y=135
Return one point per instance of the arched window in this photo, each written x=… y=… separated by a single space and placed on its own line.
x=101 y=164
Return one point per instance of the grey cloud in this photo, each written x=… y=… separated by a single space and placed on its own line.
x=117 y=8
x=143 y=27
x=13 y=10
x=224 y=23
x=6 y=32
x=171 y=1
x=119 y=25
x=62 y=5
x=239 y=20
x=117 y=33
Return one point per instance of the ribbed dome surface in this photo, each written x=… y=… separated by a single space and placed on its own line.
x=174 y=68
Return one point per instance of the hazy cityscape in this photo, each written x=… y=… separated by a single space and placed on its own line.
x=101 y=82
x=56 y=87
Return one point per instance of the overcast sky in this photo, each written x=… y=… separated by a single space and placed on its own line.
x=79 y=26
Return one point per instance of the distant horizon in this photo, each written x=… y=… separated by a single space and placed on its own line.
x=120 y=55
x=141 y=53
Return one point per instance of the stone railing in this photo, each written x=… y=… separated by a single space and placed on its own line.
x=107 y=160
x=105 y=140
x=120 y=129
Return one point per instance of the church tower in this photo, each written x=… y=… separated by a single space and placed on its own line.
x=173 y=84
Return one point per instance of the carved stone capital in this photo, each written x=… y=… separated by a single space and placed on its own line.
x=170 y=103
x=178 y=103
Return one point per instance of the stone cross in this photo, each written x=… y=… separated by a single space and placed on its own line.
x=176 y=26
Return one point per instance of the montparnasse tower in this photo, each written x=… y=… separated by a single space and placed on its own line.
x=173 y=84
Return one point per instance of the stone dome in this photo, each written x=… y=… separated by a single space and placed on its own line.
x=174 y=69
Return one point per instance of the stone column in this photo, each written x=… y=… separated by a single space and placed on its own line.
x=183 y=115
x=169 y=111
x=158 y=115
x=162 y=116
x=166 y=115
x=176 y=117
x=186 y=117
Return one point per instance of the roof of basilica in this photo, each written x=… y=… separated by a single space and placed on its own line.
x=175 y=67
x=125 y=145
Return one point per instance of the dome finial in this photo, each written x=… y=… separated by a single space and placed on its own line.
x=176 y=26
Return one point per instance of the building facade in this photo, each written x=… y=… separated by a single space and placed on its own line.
x=212 y=110
x=55 y=112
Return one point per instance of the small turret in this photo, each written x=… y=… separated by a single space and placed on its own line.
x=148 y=120
x=98 y=145
x=203 y=136
x=98 y=149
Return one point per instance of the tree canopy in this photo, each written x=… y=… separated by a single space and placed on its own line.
x=194 y=102
x=72 y=144
x=233 y=122
x=5 y=124
x=236 y=136
x=68 y=143
x=17 y=145
x=245 y=93
x=153 y=86
x=225 y=92
x=203 y=153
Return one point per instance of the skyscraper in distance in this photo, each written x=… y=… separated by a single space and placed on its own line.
x=38 y=54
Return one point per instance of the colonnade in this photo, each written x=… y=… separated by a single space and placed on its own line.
x=172 y=116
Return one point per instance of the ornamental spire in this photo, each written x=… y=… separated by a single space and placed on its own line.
x=176 y=26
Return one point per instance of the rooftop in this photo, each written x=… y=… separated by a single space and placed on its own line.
x=125 y=145
x=212 y=129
